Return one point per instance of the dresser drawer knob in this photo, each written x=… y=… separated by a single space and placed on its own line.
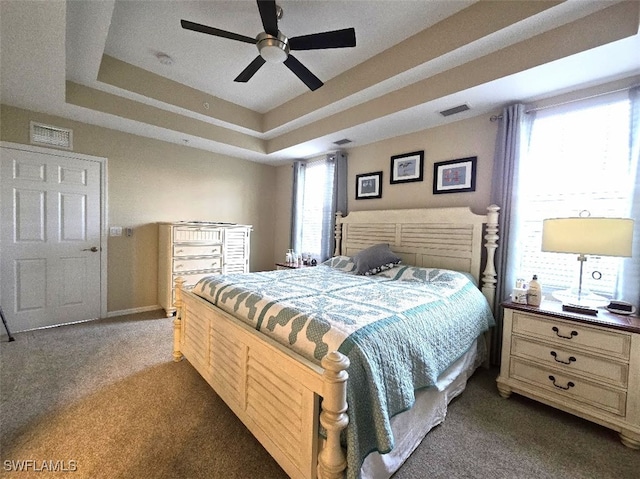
x=555 y=357
x=557 y=331
x=569 y=384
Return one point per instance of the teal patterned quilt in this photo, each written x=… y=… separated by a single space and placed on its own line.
x=400 y=329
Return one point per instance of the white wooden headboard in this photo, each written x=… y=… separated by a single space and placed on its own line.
x=448 y=238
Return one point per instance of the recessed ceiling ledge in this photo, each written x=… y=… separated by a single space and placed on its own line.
x=93 y=99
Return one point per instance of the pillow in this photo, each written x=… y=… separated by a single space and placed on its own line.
x=342 y=263
x=374 y=259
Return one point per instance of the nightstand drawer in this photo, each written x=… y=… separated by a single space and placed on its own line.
x=570 y=387
x=571 y=361
x=568 y=333
x=180 y=265
x=189 y=250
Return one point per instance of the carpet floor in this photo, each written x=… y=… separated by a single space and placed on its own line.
x=103 y=399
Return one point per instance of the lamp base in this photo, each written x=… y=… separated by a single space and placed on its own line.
x=584 y=299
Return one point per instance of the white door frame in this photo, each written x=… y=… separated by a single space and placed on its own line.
x=103 y=206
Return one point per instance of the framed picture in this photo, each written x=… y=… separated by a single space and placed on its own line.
x=455 y=176
x=407 y=167
x=369 y=185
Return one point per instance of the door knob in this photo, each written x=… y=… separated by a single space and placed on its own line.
x=93 y=249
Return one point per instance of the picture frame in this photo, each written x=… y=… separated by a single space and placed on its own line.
x=455 y=176
x=407 y=167
x=369 y=185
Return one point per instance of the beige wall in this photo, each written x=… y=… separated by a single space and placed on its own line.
x=461 y=139
x=144 y=178
x=283 y=206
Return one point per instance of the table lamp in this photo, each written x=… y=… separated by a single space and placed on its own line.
x=586 y=236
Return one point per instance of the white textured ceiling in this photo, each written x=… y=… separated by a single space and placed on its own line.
x=45 y=44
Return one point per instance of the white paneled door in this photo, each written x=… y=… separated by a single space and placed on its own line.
x=50 y=240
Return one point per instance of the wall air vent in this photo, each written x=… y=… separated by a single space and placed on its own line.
x=344 y=141
x=454 y=110
x=41 y=134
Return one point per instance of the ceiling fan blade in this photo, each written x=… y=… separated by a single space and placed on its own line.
x=333 y=39
x=251 y=70
x=302 y=72
x=196 y=27
x=269 y=16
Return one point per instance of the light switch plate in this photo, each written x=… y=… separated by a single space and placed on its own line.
x=115 y=231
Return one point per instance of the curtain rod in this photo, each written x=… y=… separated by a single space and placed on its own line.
x=499 y=117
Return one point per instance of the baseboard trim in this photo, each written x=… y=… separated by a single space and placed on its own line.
x=124 y=312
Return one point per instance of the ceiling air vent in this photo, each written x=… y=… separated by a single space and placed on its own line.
x=344 y=141
x=51 y=135
x=454 y=110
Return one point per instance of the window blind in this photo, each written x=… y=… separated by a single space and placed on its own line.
x=577 y=160
x=317 y=206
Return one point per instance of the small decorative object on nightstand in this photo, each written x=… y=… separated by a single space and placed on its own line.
x=585 y=365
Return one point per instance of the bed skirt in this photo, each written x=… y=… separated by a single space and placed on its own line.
x=410 y=427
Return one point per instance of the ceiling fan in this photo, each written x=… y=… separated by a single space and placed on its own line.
x=274 y=46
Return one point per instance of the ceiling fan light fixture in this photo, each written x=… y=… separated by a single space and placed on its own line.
x=273 y=49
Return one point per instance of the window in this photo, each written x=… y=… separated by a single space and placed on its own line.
x=578 y=159
x=319 y=191
x=317 y=199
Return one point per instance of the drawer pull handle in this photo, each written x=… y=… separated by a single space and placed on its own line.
x=180 y=251
x=178 y=266
x=568 y=386
x=573 y=333
x=555 y=357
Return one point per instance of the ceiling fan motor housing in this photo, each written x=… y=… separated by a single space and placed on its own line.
x=273 y=49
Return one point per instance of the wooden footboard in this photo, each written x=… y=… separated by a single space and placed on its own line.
x=275 y=392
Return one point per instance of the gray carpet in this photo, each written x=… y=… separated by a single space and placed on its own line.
x=104 y=398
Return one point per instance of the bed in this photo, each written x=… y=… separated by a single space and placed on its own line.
x=294 y=395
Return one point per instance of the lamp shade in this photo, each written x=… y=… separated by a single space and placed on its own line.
x=595 y=236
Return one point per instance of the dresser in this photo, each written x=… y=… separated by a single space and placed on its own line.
x=193 y=250
x=585 y=365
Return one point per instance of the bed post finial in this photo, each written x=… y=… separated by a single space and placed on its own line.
x=177 y=322
x=489 y=274
x=331 y=460
x=337 y=232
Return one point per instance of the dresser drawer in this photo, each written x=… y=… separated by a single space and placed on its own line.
x=571 y=361
x=607 y=342
x=180 y=250
x=568 y=387
x=197 y=234
x=196 y=264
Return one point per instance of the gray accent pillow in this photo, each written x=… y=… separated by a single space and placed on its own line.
x=374 y=259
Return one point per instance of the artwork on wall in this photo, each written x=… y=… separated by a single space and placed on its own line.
x=369 y=185
x=407 y=167
x=455 y=176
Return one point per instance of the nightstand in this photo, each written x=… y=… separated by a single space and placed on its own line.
x=585 y=365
